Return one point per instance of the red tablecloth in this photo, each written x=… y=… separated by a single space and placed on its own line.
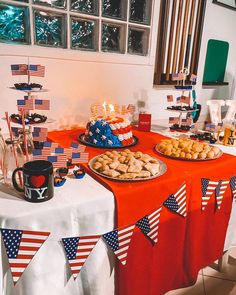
x=185 y=245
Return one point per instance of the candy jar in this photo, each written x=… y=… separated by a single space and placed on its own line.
x=13 y=158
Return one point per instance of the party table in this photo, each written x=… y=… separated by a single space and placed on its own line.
x=80 y=207
x=185 y=245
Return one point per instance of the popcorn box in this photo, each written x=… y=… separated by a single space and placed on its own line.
x=144 y=122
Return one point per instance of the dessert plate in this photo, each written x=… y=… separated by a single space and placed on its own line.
x=82 y=139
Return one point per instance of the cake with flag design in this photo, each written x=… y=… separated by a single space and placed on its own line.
x=109 y=132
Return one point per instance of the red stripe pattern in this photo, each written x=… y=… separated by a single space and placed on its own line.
x=21 y=247
x=77 y=251
x=208 y=188
x=119 y=241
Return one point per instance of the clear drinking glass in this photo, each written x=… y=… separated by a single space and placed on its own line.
x=29 y=141
x=13 y=158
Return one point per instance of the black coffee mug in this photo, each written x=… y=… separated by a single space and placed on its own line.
x=38 y=182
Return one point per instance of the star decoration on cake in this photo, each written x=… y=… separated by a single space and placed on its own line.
x=110 y=142
x=90 y=133
x=104 y=123
x=104 y=137
x=95 y=141
x=97 y=130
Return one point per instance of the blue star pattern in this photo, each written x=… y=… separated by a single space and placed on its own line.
x=11 y=239
x=205 y=183
x=171 y=203
x=143 y=224
x=71 y=245
x=100 y=133
x=112 y=239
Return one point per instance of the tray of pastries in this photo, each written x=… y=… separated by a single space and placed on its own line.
x=127 y=166
x=188 y=149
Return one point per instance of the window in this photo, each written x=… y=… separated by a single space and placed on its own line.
x=120 y=26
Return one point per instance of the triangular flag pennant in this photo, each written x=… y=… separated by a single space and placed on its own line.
x=149 y=224
x=77 y=251
x=208 y=188
x=119 y=240
x=177 y=202
x=220 y=190
x=21 y=247
x=233 y=186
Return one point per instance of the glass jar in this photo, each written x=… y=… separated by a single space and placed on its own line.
x=2 y=152
x=13 y=158
x=29 y=141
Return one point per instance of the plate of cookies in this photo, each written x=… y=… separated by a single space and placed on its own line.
x=188 y=150
x=127 y=166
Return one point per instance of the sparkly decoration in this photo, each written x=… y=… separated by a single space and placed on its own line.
x=112 y=8
x=83 y=34
x=49 y=28
x=52 y=3
x=137 y=41
x=85 y=6
x=14 y=26
x=111 y=37
x=140 y=11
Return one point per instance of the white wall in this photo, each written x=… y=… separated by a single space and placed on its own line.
x=77 y=79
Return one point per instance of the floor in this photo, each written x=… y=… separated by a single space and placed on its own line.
x=212 y=282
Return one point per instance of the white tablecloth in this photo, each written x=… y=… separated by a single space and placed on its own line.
x=80 y=207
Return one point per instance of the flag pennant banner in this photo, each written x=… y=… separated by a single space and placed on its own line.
x=77 y=251
x=170 y=98
x=208 y=188
x=177 y=202
x=220 y=190
x=36 y=70
x=21 y=247
x=233 y=186
x=119 y=241
x=40 y=134
x=26 y=105
x=173 y=120
x=19 y=69
x=58 y=161
x=42 y=104
x=79 y=158
x=149 y=224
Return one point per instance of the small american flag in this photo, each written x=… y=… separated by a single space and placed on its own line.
x=21 y=247
x=42 y=104
x=39 y=155
x=58 y=161
x=170 y=98
x=149 y=224
x=178 y=76
x=20 y=69
x=119 y=240
x=183 y=99
x=40 y=134
x=131 y=109
x=77 y=251
x=220 y=190
x=79 y=158
x=37 y=70
x=173 y=120
x=177 y=202
x=208 y=188
x=64 y=151
x=25 y=104
x=50 y=145
x=77 y=148
x=233 y=186
x=186 y=122
x=210 y=127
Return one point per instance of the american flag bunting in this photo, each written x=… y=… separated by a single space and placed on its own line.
x=25 y=104
x=177 y=202
x=77 y=158
x=149 y=224
x=77 y=251
x=42 y=104
x=119 y=241
x=21 y=247
x=20 y=69
x=36 y=70
x=233 y=186
x=208 y=188
x=220 y=190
